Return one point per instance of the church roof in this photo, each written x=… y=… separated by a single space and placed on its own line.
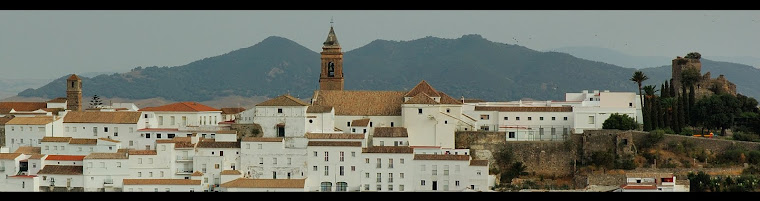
x=284 y=100
x=102 y=117
x=319 y=109
x=74 y=77
x=232 y=110
x=361 y=103
x=181 y=107
x=422 y=87
x=332 y=40
x=446 y=99
x=58 y=100
x=421 y=98
x=390 y=132
x=36 y=120
x=360 y=122
x=24 y=106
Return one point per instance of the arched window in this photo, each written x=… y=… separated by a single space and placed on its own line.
x=330 y=69
x=326 y=187
x=341 y=186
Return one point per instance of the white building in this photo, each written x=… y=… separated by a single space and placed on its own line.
x=104 y=172
x=64 y=177
x=162 y=185
x=651 y=182
x=321 y=119
x=441 y=172
x=20 y=183
x=180 y=151
x=29 y=131
x=78 y=146
x=283 y=116
x=269 y=158
x=214 y=156
x=231 y=113
x=333 y=166
x=387 y=168
x=264 y=185
x=119 y=125
x=184 y=114
x=148 y=164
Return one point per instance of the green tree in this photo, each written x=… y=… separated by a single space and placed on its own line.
x=515 y=170
x=620 y=122
x=648 y=110
x=95 y=102
x=692 y=100
x=699 y=182
x=689 y=77
x=717 y=111
x=666 y=106
x=681 y=115
x=639 y=77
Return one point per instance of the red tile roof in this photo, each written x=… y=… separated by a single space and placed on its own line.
x=124 y=117
x=360 y=122
x=83 y=141
x=36 y=120
x=24 y=106
x=264 y=183
x=61 y=169
x=523 y=109
x=181 y=107
x=479 y=163
x=388 y=149
x=335 y=143
x=262 y=139
x=161 y=182
x=74 y=77
x=58 y=100
x=232 y=110
x=158 y=129
x=422 y=87
x=107 y=156
x=9 y=156
x=421 y=98
x=29 y=150
x=230 y=172
x=639 y=187
x=214 y=144
x=65 y=157
x=390 y=132
x=142 y=152
x=284 y=100
x=361 y=103
x=441 y=157
x=446 y=99
x=334 y=136
x=319 y=109
x=110 y=140
x=56 y=139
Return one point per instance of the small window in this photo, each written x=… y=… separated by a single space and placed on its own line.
x=517 y=118
x=445 y=122
x=540 y=118
x=370 y=124
x=147 y=135
x=315 y=154
x=158 y=136
x=279 y=110
x=484 y=117
x=391 y=124
x=554 y=118
x=310 y=121
x=448 y=110
x=506 y=118
x=260 y=146
x=419 y=110
x=530 y=118
x=348 y=123
x=565 y=118
x=590 y=119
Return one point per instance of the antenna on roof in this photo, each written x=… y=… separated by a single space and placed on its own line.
x=331 y=21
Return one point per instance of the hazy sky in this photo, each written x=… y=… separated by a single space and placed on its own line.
x=48 y=44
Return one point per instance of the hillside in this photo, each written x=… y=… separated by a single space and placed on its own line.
x=745 y=77
x=614 y=57
x=470 y=66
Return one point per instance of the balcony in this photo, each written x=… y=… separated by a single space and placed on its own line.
x=108 y=183
x=184 y=159
x=183 y=171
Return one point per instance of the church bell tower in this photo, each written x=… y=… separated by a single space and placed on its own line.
x=331 y=74
x=74 y=93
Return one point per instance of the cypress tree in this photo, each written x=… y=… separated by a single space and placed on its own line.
x=672 y=89
x=660 y=114
x=681 y=114
x=647 y=111
x=692 y=100
x=664 y=90
x=685 y=106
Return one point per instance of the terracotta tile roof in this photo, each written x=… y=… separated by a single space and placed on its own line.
x=107 y=156
x=232 y=110
x=24 y=106
x=335 y=143
x=142 y=152
x=36 y=120
x=422 y=87
x=334 y=136
x=479 y=163
x=4 y=120
x=441 y=157
x=83 y=141
x=74 y=77
x=37 y=156
x=421 y=98
x=214 y=144
x=524 y=109
x=639 y=187
x=29 y=150
x=123 y=117
x=65 y=157
x=390 y=132
x=226 y=132
x=473 y=100
x=197 y=174
x=319 y=109
x=61 y=169
x=9 y=156
x=5 y=111
x=361 y=103
x=446 y=99
x=388 y=149
x=54 y=111
x=158 y=129
x=262 y=139
x=230 y=172
x=264 y=183
x=58 y=100
x=284 y=100
x=181 y=107
x=161 y=182
x=360 y=122
x=110 y=140
x=183 y=145
x=56 y=139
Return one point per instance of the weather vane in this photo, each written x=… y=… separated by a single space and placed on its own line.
x=331 y=21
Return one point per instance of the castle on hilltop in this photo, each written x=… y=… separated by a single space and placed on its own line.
x=705 y=85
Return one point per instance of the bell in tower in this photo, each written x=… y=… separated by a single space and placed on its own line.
x=331 y=74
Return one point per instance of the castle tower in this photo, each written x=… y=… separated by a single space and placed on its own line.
x=679 y=65
x=331 y=74
x=74 y=93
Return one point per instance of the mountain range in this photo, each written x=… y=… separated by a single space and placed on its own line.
x=470 y=66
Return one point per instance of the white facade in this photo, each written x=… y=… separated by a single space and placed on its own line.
x=80 y=147
x=281 y=121
x=431 y=125
x=387 y=171
x=322 y=122
x=30 y=133
x=162 y=185
x=20 y=183
x=449 y=175
x=333 y=166
x=120 y=132
x=105 y=174
x=268 y=158
x=179 y=120
x=343 y=122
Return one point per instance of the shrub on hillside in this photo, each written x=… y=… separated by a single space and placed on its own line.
x=620 y=122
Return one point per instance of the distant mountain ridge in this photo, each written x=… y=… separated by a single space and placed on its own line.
x=469 y=66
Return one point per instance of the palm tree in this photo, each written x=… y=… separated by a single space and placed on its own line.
x=639 y=77
x=649 y=119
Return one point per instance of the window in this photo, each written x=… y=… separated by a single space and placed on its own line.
x=118 y=164
x=353 y=168
x=131 y=143
x=364 y=130
x=289 y=161
x=390 y=187
x=630 y=104
x=541 y=131
x=139 y=174
x=353 y=154
x=565 y=118
x=506 y=118
x=261 y=160
x=315 y=154
x=540 y=118
x=130 y=129
x=379 y=187
x=422 y=182
x=115 y=131
x=147 y=135
x=67 y=129
x=311 y=121
x=94 y=131
x=330 y=69
x=46 y=146
x=511 y=134
x=456 y=183
x=366 y=160
x=150 y=174
x=171 y=122
x=160 y=120
x=315 y=168
x=419 y=110
x=445 y=122
x=379 y=177
x=105 y=129
x=279 y=110
x=485 y=128
x=158 y=135
x=139 y=160
x=370 y=124
x=445 y=169
x=400 y=187
x=401 y=160
x=390 y=163
x=554 y=118
x=348 y=123
x=391 y=124
x=274 y=174
x=170 y=136
x=390 y=177
x=341 y=170
x=401 y=175
x=248 y=146
x=366 y=175
x=341 y=156
x=590 y=119
x=216 y=166
x=341 y=186
x=517 y=118
x=484 y=117
x=274 y=161
x=448 y=110
x=353 y=130
x=326 y=156
x=478 y=173
x=435 y=169
x=379 y=162
x=530 y=118
x=327 y=172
